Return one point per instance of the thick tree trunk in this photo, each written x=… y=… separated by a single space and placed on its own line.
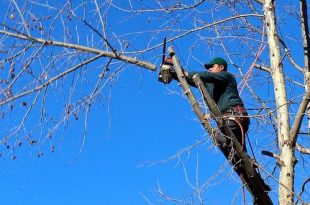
x=286 y=177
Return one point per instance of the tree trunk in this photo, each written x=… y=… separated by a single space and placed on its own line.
x=287 y=157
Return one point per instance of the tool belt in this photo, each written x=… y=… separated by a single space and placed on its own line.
x=238 y=113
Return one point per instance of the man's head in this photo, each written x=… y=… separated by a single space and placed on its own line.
x=216 y=65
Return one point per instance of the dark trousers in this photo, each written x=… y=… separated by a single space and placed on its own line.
x=238 y=130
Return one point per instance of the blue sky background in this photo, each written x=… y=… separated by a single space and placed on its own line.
x=114 y=165
x=137 y=124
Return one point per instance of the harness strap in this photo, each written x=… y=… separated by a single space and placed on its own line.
x=241 y=129
x=235 y=114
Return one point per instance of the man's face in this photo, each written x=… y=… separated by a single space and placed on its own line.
x=216 y=68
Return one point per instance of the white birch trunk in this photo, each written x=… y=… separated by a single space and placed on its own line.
x=286 y=177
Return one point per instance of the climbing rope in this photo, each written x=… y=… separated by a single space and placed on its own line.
x=259 y=52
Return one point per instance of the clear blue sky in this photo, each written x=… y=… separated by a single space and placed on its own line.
x=114 y=167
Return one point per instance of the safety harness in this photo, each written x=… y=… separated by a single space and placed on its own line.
x=239 y=115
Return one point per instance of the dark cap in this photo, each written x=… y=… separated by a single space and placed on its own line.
x=219 y=61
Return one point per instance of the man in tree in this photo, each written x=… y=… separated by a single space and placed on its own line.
x=222 y=87
x=232 y=118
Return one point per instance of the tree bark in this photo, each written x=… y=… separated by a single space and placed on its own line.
x=286 y=177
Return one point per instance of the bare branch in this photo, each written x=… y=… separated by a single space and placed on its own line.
x=47 y=83
x=303 y=189
x=260 y=1
x=101 y=53
x=302 y=149
x=281 y=184
x=270 y=154
x=299 y=116
x=288 y=54
x=21 y=16
x=168 y=9
x=201 y=28
x=167 y=197
x=263 y=68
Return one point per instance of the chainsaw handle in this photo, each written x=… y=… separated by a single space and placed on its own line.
x=164 y=51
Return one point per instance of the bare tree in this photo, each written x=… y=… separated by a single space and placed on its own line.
x=50 y=52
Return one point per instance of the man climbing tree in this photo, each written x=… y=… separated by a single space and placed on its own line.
x=219 y=89
x=222 y=87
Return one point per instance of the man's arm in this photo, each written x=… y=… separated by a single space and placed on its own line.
x=222 y=77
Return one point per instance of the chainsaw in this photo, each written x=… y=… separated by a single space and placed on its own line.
x=164 y=75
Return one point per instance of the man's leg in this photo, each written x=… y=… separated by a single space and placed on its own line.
x=225 y=142
x=236 y=130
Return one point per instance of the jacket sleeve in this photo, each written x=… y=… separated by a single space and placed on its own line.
x=222 y=77
x=189 y=79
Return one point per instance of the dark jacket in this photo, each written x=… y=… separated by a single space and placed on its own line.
x=222 y=88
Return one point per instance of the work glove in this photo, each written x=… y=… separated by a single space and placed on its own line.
x=168 y=61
